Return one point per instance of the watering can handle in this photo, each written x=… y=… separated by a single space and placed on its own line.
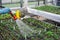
x=14 y=17
x=17 y=15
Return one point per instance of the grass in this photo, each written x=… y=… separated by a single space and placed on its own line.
x=51 y=9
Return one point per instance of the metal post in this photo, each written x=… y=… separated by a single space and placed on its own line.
x=38 y=2
x=21 y=3
x=52 y=2
x=11 y=1
x=0 y=2
x=44 y=2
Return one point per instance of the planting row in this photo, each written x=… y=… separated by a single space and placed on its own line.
x=45 y=31
x=5 y=16
x=51 y=9
x=10 y=31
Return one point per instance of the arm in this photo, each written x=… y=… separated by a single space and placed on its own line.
x=4 y=10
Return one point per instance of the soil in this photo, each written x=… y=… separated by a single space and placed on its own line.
x=46 y=20
x=39 y=17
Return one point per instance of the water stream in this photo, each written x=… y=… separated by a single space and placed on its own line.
x=24 y=29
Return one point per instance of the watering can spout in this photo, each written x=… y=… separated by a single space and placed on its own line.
x=14 y=17
x=17 y=15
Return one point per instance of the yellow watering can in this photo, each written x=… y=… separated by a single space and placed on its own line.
x=18 y=14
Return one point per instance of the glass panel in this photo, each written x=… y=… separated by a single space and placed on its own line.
x=11 y=3
x=35 y=3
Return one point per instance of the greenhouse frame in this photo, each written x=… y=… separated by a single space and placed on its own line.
x=30 y=20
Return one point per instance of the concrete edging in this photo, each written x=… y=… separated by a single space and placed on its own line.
x=51 y=16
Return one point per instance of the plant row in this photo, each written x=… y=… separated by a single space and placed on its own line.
x=51 y=9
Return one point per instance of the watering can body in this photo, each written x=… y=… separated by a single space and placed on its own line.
x=18 y=14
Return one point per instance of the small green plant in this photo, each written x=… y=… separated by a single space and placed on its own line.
x=47 y=29
x=5 y=16
x=49 y=33
x=51 y=9
x=7 y=31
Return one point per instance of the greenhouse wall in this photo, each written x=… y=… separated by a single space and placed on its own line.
x=52 y=2
x=31 y=0
x=58 y=2
x=14 y=1
x=10 y=1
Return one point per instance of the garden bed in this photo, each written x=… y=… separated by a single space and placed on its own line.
x=9 y=30
x=5 y=16
x=47 y=31
x=51 y=9
x=44 y=31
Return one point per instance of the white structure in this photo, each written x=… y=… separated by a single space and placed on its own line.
x=47 y=15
